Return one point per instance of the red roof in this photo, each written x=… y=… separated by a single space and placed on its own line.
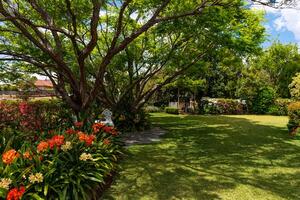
x=43 y=83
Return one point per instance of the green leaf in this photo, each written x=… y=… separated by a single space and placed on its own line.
x=46 y=187
x=35 y=196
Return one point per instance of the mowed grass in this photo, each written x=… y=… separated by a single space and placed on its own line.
x=213 y=157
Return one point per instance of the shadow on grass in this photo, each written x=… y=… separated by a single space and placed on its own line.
x=212 y=157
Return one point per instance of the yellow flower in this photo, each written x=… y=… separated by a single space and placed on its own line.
x=5 y=182
x=32 y=178
x=38 y=177
x=85 y=156
x=67 y=146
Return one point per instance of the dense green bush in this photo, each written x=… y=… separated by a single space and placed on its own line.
x=221 y=106
x=264 y=99
x=280 y=107
x=7 y=87
x=172 y=110
x=294 y=118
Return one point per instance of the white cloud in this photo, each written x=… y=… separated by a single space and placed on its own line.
x=279 y=24
x=287 y=19
x=291 y=21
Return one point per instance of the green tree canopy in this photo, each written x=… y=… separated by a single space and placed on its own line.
x=281 y=62
x=102 y=49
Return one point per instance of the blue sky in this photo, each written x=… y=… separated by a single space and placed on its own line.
x=281 y=25
x=275 y=34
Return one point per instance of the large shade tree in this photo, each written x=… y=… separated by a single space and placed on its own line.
x=79 y=44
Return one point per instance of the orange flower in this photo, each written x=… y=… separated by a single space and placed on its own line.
x=15 y=193
x=81 y=136
x=42 y=146
x=88 y=139
x=56 y=140
x=106 y=141
x=78 y=124
x=27 y=155
x=9 y=156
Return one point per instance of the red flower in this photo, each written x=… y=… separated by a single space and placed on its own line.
x=70 y=131
x=56 y=140
x=15 y=193
x=89 y=140
x=97 y=127
x=111 y=130
x=24 y=108
x=78 y=124
x=9 y=156
x=51 y=144
x=42 y=146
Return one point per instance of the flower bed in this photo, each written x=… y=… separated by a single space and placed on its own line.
x=65 y=164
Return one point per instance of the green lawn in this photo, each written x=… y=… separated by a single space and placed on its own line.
x=213 y=157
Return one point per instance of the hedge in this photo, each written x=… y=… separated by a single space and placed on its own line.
x=34 y=115
x=235 y=106
x=172 y=110
x=152 y=109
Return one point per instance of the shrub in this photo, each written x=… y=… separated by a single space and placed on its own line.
x=129 y=121
x=64 y=164
x=172 y=110
x=31 y=116
x=263 y=100
x=295 y=87
x=280 y=107
x=221 y=106
x=152 y=109
x=294 y=117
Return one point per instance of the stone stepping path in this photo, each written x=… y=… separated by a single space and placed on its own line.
x=144 y=137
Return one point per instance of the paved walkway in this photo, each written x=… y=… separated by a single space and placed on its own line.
x=144 y=137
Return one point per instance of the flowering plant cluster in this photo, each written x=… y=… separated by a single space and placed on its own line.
x=222 y=106
x=294 y=118
x=63 y=164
